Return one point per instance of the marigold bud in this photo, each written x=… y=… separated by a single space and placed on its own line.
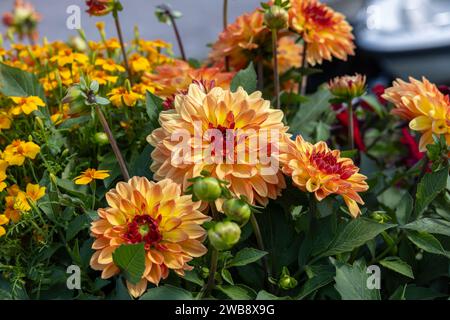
x=207 y=189
x=237 y=210
x=101 y=138
x=224 y=235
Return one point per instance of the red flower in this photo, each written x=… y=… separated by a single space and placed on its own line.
x=99 y=7
x=342 y=116
x=414 y=154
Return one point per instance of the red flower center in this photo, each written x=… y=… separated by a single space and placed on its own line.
x=328 y=163
x=220 y=146
x=319 y=15
x=143 y=228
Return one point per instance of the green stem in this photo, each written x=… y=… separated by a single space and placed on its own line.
x=260 y=243
x=225 y=25
x=122 y=44
x=276 y=76
x=214 y=259
x=94 y=190
x=177 y=33
x=113 y=142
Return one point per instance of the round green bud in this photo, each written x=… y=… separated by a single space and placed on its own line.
x=224 y=235
x=75 y=100
x=207 y=189
x=237 y=210
x=287 y=283
x=276 y=18
x=101 y=138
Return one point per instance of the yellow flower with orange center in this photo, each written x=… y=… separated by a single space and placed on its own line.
x=90 y=175
x=240 y=40
x=24 y=200
x=109 y=65
x=232 y=135
x=421 y=103
x=139 y=63
x=26 y=105
x=156 y=214
x=68 y=57
x=175 y=77
x=3 y=166
x=16 y=153
x=102 y=77
x=327 y=34
x=121 y=97
x=61 y=115
x=5 y=121
x=3 y=220
x=10 y=200
x=319 y=170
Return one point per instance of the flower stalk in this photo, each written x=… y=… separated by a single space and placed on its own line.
x=276 y=75
x=351 y=127
x=122 y=42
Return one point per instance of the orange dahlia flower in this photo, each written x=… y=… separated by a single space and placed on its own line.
x=289 y=54
x=421 y=103
x=172 y=78
x=240 y=39
x=232 y=135
x=319 y=170
x=156 y=214
x=326 y=32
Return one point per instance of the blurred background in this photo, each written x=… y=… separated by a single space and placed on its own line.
x=395 y=38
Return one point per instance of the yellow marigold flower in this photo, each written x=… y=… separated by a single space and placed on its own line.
x=421 y=103
x=156 y=214
x=90 y=175
x=35 y=192
x=319 y=170
x=10 y=200
x=289 y=54
x=109 y=65
x=174 y=77
x=241 y=119
x=348 y=87
x=16 y=153
x=326 y=32
x=120 y=97
x=3 y=220
x=139 y=63
x=26 y=104
x=61 y=115
x=68 y=57
x=239 y=40
x=102 y=77
x=5 y=121
x=3 y=166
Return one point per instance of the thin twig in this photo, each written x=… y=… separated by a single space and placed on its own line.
x=351 y=129
x=177 y=34
x=122 y=45
x=113 y=142
x=225 y=26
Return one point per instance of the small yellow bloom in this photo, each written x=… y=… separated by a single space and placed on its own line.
x=139 y=63
x=16 y=153
x=109 y=65
x=68 y=57
x=3 y=220
x=3 y=166
x=26 y=104
x=90 y=175
x=35 y=192
x=5 y=121
x=122 y=97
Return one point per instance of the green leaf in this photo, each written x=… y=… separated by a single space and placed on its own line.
x=398 y=265
x=429 y=187
x=167 y=292
x=430 y=225
x=404 y=209
x=412 y=292
x=238 y=292
x=76 y=225
x=141 y=166
x=130 y=258
x=226 y=275
x=375 y=104
x=320 y=279
x=304 y=121
x=399 y=294
x=19 y=83
x=72 y=122
x=153 y=105
x=246 y=79
x=264 y=295
x=356 y=233
x=246 y=256
x=192 y=276
x=427 y=242
x=351 y=282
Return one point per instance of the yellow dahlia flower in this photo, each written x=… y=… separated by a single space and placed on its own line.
x=239 y=40
x=421 y=103
x=326 y=32
x=157 y=214
x=319 y=170
x=225 y=133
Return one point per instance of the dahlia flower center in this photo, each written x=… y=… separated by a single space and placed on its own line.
x=328 y=163
x=319 y=15
x=226 y=131
x=145 y=229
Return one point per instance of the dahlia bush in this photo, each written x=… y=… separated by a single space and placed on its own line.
x=127 y=172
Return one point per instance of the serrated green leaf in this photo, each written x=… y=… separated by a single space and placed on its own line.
x=427 y=242
x=398 y=265
x=167 y=292
x=246 y=79
x=430 y=225
x=404 y=209
x=356 y=233
x=320 y=279
x=351 y=282
x=266 y=296
x=226 y=275
x=19 y=83
x=130 y=258
x=153 y=106
x=76 y=225
x=238 y=292
x=245 y=257
x=429 y=187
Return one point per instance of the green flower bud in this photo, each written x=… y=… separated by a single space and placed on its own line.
x=276 y=18
x=101 y=138
x=207 y=189
x=287 y=283
x=237 y=210
x=224 y=235
x=75 y=99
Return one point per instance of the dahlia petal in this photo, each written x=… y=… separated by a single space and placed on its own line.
x=137 y=290
x=193 y=248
